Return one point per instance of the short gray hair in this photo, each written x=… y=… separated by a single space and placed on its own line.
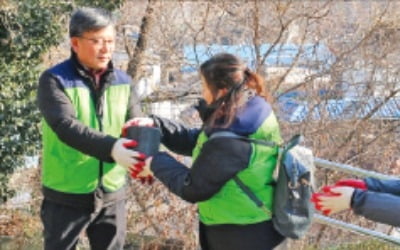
x=89 y=19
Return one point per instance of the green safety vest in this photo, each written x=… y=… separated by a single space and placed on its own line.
x=66 y=169
x=231 y=205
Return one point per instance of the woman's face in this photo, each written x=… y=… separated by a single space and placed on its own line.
x=206 y=91
x=208 y=96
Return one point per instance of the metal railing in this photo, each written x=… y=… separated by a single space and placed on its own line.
x=347 y=226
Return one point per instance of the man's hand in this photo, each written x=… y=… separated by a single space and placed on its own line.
x=126 y=157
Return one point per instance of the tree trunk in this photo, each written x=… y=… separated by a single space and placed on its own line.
x=141 y=45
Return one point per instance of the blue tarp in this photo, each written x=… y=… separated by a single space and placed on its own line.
x=308 y=55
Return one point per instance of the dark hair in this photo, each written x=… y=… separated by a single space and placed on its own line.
x=228 y=71
x=89 y=19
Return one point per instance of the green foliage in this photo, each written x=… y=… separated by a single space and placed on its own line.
x=28 y=29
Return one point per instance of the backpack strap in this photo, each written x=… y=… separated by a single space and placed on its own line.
x=251 y=195
x=244 y=138
x=296 y=139
x=238 y=181
x=272 y=144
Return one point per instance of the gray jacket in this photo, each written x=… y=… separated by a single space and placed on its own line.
x=381 y=202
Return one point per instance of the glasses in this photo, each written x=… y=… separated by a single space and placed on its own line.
x=99 y=41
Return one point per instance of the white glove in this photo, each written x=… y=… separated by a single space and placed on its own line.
x=146 y=168
x=142 y=121
x=125 y=157
x=146 y=175
x=334 y=204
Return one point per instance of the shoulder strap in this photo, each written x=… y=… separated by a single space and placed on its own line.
x=243 y=138
x=238 y=181
x=251 y=195
x=287 y=146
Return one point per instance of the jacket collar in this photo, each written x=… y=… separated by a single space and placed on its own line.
x=83 y=70
x=248 y=119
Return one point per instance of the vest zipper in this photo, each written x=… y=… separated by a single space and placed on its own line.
x=97 y=95
x=99 y=118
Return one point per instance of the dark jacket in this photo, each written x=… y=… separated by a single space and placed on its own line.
x=381 y=202
x=60 y=115
x=197 y=183
x=204 y=179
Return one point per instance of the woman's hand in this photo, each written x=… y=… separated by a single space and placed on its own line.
x=145 y=175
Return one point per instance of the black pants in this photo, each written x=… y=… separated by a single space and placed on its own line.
x=63 y=224
x=259 y=236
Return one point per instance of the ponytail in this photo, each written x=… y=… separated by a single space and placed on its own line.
x=227 y=71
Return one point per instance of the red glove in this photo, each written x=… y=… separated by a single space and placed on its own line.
x=149 y=179
x=128 y=124
x=130 y=144
x=138 y=121
x=326 y=191
x=141 y=171
x=355 y=183
x=136 y=169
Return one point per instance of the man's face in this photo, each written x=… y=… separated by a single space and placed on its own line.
x=94 y=48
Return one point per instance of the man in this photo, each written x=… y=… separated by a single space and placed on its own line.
x=85 y=102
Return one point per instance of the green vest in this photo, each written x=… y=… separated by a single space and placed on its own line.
x=66 y=169
x=231 y=205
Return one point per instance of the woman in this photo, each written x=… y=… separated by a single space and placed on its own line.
x=375 y=199
x=235 y=101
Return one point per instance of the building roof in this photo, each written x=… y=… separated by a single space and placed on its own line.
x=306 y=55
x=340 y=109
